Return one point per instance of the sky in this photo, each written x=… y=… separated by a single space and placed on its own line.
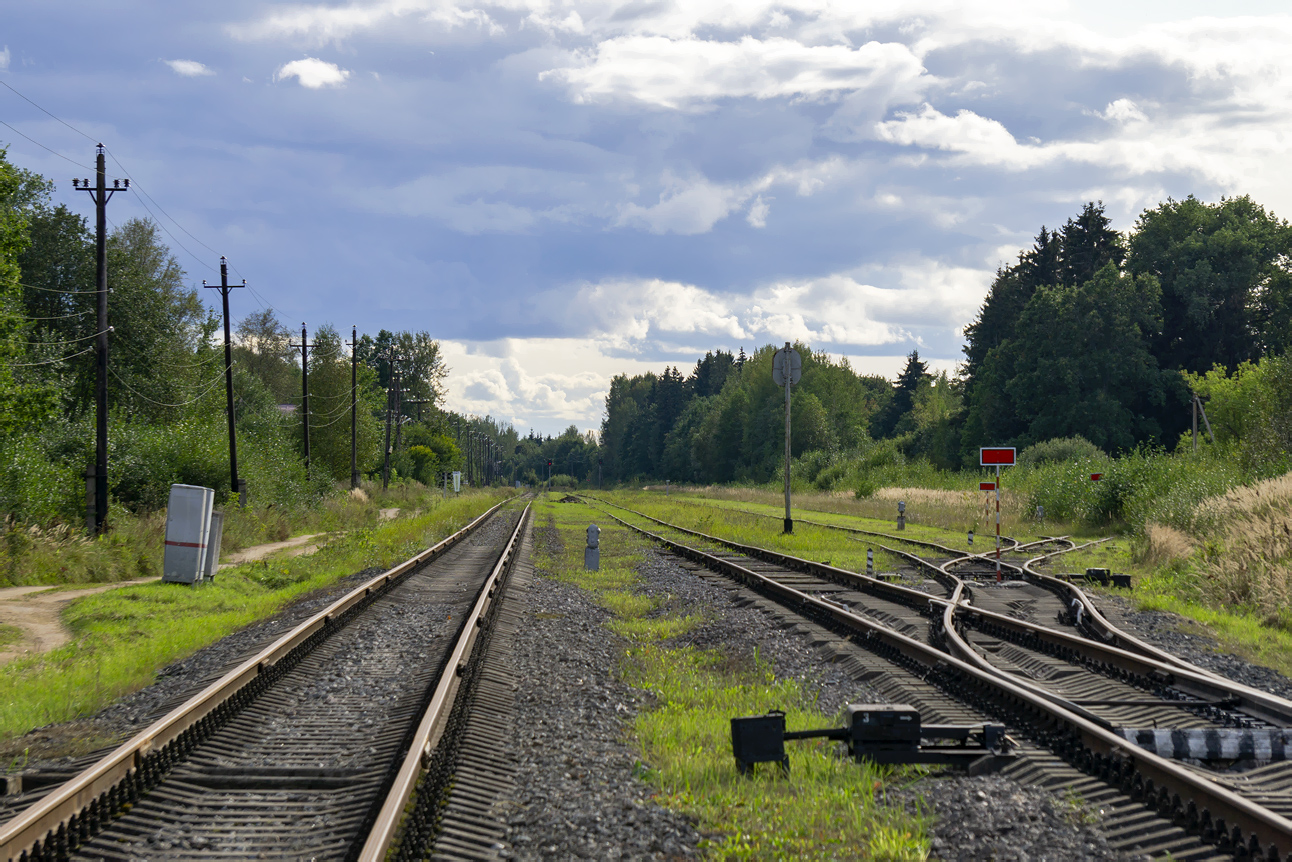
x=562 y=191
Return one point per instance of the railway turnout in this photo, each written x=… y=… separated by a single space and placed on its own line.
x=1093 y=707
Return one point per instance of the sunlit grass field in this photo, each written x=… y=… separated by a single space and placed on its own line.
x=828 y=807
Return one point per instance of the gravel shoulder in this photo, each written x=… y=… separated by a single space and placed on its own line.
x=1189 y=640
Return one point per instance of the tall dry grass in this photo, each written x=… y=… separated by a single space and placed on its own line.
x=1246 y=556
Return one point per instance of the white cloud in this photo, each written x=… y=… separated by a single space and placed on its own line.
x=189 y=68
x=675 y=73
x=313 y=73
x=4 y=58
x=685 y=207
x=1123 y=111
x=321 y=25
x=758 y=211
x=500 y=379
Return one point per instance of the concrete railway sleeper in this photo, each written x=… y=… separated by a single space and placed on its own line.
x=323 y=713
x=1179 y=795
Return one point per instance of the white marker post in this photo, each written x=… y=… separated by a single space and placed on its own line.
x=787 y=369
x=997 y=456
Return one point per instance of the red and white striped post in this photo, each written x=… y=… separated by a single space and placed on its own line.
x=997 y=456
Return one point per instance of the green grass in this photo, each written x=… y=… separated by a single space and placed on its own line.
x=122 y=637
x=9 y=634
x=828 y=808
x=132 y=546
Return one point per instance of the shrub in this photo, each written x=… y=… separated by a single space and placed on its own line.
x=1058 y=450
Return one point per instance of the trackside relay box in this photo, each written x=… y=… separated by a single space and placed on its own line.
x=188 y=531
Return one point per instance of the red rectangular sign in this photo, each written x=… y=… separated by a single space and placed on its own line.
x=999 y=456
x=986 y=486
x=1095 y=477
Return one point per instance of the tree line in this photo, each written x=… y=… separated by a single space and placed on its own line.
x=166 y=380
x=1090 y=333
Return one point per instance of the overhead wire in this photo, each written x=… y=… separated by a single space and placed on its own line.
x=124 y=170
x=39 y=108
x=138 y=394
x=70 y=341
x=43 y=146
x=50 y=361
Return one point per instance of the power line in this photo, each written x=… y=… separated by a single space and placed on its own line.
x=39 y=108
x=52 y=343
x=42 y=146
x=159 y=206
x=50 y=361
x=60 y=317
x=160 y=223
x=55 y=290
x=138 y=394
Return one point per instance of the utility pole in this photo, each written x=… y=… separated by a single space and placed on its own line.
x=390 y=379
x=354 y=407
x=305 y=394
x=399 y=403
x=239 y=486
x=101 y=194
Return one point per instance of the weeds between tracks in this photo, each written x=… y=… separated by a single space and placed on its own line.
x=827 y=808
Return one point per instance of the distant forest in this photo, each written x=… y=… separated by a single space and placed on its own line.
x=1089 y=333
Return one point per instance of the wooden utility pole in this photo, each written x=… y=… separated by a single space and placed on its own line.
x=239 y=486
x=354 y=407
x=101 y=194
x=305 y=394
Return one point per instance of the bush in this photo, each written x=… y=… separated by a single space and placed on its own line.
x=564 y=480
x=1146 y=485
x=1057 y=451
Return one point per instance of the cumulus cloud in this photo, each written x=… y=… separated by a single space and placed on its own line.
x=313 y=73
x=189 y=68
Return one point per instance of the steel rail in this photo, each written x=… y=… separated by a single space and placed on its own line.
x=1179 y=674
x=1204 y=806
x=61 y=812
x=1093 y=617
x=385 y=829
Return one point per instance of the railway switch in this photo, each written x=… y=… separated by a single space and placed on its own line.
x=879 y=732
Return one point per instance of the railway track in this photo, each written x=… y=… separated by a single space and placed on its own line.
x=314 y=747
x=1100 y=711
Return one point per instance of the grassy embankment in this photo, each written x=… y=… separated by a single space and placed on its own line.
x=828 y=808
x=132 y=547
x=122 y=637
x=1229 y=568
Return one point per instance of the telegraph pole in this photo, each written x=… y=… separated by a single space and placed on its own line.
x=101 y=194
x=239 y=487
x=305 y=394
x=354 y=407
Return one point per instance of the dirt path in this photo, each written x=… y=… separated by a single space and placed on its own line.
x=37 y=610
